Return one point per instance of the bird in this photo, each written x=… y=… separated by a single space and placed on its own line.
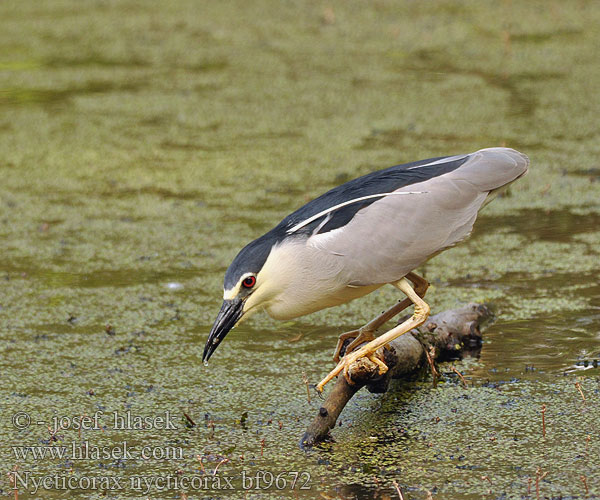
x=359 y=236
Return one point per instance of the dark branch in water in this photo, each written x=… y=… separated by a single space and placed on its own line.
x=447 y=335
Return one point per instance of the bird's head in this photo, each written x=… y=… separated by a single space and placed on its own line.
x=248 y=287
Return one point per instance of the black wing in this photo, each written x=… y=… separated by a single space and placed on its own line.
x=381 y=183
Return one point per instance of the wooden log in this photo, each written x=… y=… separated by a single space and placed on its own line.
x=447 y=335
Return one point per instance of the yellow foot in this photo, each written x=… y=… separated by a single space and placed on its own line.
x=368 y=350
x=360 y=336
x=344 y=365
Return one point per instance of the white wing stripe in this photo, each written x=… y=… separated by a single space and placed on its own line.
x=437 y=162
x=355 y=200
x=325 y=221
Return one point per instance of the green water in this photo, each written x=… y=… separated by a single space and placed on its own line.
x=143 y=143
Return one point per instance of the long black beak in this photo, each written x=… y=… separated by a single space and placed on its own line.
x=230 y=313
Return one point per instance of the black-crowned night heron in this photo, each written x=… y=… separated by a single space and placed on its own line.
x=359 y=236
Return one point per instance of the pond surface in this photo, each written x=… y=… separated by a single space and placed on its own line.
x=142 y=144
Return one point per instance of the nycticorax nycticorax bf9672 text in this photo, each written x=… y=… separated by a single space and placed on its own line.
x=359 y=236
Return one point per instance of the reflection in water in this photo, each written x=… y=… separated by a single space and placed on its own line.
x=101 y=279
x=33 y=96
x=549 y=225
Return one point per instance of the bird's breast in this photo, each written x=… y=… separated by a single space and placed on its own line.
x=305 y=280
x=293 y=305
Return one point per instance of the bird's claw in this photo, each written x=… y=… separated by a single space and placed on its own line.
x=344 y=367
x=332 y=374
x=340 y=344
x=346 y=373
x=358 y=337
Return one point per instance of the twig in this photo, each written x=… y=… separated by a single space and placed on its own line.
x=262 y=446
x=189 y=419
x=584 y=480
x=460 y=375
x=13 y=480
x=538 y=477
x=544 y=421
x=199 y=458
x=400 y=495
x=224 y=461
x=587 y=443
x=52 y=435
x=428 y=354
x=578 y=385
x=305 y=380
x=485 y=478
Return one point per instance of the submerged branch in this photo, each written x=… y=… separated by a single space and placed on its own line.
x=446 y=335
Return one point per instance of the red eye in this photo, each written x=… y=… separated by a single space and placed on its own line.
x=249 y=282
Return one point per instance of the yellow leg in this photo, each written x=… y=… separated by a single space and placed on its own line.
x=361 y=335
x=419 y=316
x=365 y=334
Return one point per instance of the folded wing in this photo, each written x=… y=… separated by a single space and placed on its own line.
x=396 y=233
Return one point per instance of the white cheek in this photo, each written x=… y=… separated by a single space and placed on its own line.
x=248 y=313
x=255 y=301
